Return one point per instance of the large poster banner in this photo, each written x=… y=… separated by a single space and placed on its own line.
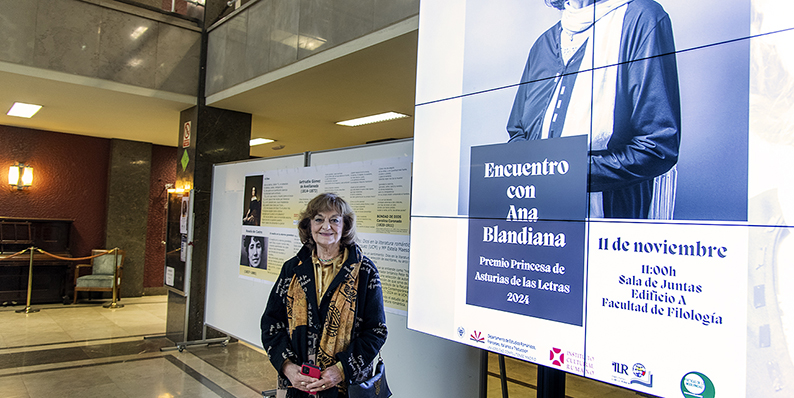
x=685 y=108
x=379 y=193
x=526 y=228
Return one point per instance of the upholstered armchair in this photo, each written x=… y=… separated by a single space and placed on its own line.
x=102 y=271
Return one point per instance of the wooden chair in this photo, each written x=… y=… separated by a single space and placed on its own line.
x=102 y=272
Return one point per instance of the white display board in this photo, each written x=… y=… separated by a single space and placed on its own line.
x=238 y=285
x=233 y=304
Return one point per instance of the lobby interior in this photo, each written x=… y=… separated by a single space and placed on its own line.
x=86 y=350
x=113 y=76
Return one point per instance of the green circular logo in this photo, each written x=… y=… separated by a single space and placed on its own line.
x=697 y=385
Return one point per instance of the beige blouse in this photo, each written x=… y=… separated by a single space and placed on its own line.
x=324 y=273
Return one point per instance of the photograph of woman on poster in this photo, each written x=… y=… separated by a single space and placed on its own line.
x=254 y=209
x=608 y=69
x=254 y=253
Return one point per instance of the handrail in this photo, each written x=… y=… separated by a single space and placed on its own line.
x=57 y=257
x=28 y=310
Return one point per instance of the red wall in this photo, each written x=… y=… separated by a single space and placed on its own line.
x=70 y=179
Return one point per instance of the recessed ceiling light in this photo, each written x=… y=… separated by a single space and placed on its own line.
x=20 y=109
x=372 y=119
x=260 y=141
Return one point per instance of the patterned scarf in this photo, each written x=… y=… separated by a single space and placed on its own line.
x=338 y=323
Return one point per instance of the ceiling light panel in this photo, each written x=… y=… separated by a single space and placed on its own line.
x=20 y=109
x=260 y=141
x=382 y=117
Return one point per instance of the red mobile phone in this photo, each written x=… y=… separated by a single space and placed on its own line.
x=311 y=370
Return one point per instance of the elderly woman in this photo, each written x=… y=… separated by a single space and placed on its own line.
x=326 y=307
x=630 y=109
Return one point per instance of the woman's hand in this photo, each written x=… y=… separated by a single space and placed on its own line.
x=296 y=378
x=330 y=377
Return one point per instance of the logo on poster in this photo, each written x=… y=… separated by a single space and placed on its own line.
x=477 y=336
x=461 y=331
x=639 y=374
x=557 y=357
x=696 y=384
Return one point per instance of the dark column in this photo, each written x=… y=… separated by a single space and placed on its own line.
x=128 y=209
x=217 y=135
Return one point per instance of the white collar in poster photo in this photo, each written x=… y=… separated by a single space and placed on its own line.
x=578 y=25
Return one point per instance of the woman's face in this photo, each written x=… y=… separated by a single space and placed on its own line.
x=255 y=253
x=327 y=228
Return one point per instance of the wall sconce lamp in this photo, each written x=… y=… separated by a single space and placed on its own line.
x=20 y=175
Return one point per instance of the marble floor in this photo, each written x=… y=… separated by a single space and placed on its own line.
x=85 y=350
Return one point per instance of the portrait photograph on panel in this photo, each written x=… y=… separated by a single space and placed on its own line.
x=668 y=139
x=252 y=201
x=253 y=252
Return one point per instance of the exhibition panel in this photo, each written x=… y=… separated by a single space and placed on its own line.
x=621 y=198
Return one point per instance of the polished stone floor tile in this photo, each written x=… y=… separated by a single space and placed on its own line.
x=248 y=366
x=41 y=357
x=65 y=380
x=16 y=339
x=13 y=387
x=85 y=350
x=127 y=348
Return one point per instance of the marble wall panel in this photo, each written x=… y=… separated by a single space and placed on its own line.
x=178 y=57
x=315 y=26
x=352 y=19
x=234 y=69
x=296 y=30
x=128 y=208
x=327 y=23
x=284 y=35
x=257 y=47
x=388 y=12
x=153 y=3
x=67 y=37
x=216 y=58
x=127 y=49
x=17 y=30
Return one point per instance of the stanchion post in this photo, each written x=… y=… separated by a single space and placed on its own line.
x=114 y=304
x=27 y=309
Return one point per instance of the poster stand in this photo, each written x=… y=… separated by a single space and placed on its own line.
x=551 y=382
